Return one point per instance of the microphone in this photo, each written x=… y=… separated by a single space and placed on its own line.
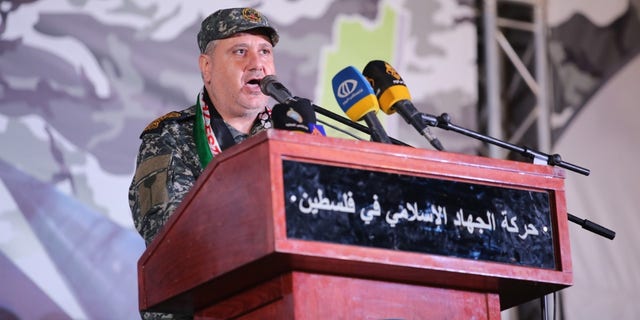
x=286 y=118
x=356 y=98
x=393 y=96
x=296 y=115
x=270 y=86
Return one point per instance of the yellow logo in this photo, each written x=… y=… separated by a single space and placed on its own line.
x=391 y=71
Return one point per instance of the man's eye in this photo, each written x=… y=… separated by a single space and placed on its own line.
x=240 y=51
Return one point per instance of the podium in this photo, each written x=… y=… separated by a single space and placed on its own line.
x=294 y=226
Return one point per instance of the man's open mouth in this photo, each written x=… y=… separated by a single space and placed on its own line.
x=255 y=81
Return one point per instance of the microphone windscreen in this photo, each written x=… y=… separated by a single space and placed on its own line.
x=270 y=86
x=296 y=115
x=387 y=84
x=354 y=94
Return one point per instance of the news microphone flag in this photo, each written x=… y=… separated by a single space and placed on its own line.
x=354 y=94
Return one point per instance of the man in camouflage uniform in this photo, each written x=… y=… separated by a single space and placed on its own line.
x=236 y=48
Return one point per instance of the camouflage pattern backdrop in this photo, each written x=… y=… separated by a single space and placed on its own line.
x=79 y=80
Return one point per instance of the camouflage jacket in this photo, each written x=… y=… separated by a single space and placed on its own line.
x=167 y=167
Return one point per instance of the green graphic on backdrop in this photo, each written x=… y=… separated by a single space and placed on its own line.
x=356 y=42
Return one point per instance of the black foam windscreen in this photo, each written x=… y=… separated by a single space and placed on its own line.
x=295 y=115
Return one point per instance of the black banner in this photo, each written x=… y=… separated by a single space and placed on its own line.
x=406 y=213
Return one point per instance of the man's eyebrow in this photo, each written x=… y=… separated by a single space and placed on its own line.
x=247 y=45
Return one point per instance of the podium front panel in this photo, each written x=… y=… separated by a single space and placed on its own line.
x=392 y=211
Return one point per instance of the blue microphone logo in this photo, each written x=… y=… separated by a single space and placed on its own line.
x=346 y=88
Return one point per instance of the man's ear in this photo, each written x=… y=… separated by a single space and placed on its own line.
x=204 y=64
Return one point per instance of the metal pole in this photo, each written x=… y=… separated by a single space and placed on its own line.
x=542 y=75
x=493 y=85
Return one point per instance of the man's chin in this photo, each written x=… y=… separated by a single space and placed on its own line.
x=256 y=102
x=251 y=110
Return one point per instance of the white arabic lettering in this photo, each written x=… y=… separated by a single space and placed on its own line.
x=411 y=212
x=321 y=202
x=375 y=211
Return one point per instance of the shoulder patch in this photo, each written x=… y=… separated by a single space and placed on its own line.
x=171 y=116
x=156 y=123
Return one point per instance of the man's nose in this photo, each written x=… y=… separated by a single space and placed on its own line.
x=255 y=62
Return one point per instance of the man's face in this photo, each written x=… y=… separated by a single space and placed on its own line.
x=232 y=70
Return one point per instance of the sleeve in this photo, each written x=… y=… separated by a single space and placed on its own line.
x=162 y=179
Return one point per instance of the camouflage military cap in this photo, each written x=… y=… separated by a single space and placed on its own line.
x=227 y=22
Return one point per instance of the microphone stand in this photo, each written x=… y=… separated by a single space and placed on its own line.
x=593 y=227
x=352 y=124
x=444 y=122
